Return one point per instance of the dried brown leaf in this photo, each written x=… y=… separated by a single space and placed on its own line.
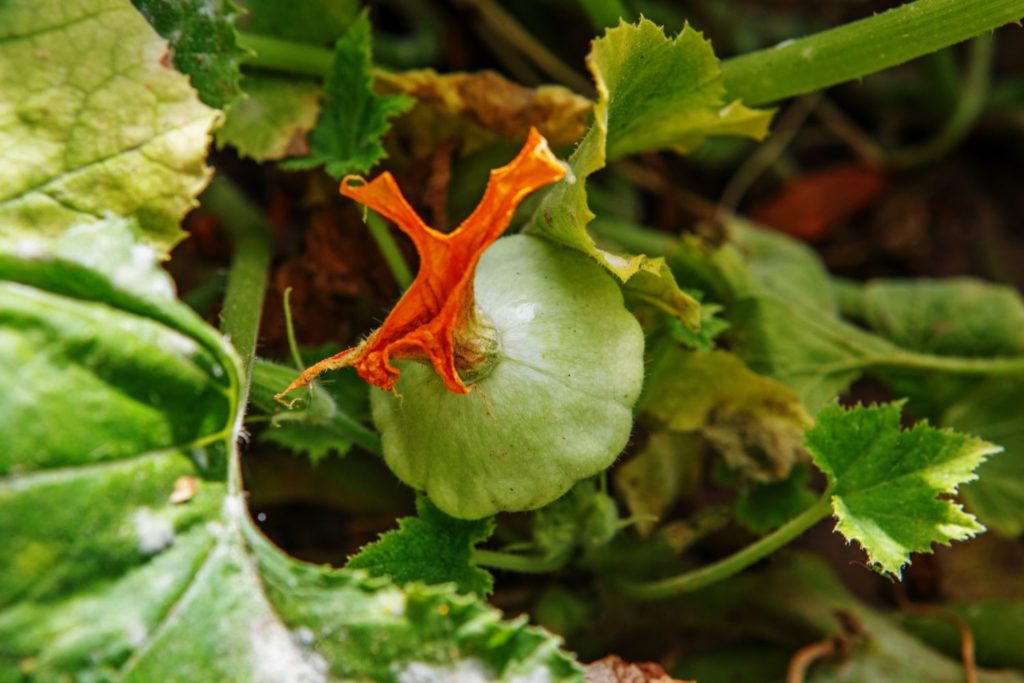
x=613 y=669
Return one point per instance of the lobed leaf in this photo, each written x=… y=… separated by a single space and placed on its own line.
x=653 y=92
x=889 y=487
x=89 y=133
x=353 y=119
x=431 y=548
x=273 y=118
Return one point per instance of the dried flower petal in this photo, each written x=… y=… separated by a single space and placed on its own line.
x=435 y=317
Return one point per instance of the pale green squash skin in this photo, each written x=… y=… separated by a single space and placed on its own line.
x=557 y=406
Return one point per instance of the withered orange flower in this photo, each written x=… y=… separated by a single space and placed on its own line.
x=435 y=318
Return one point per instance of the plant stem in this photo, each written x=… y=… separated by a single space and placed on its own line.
x=723 y=569
x=974 y=93
x=284 y=55
x=247 y=277
x=389 y=249
x=862 y=47
x=289 y=328
x=526 y=564
x=954 y=365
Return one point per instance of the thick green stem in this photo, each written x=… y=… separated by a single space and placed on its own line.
x=705 y=576
x=526 y=564
x=247 y=278
x=862 y=47
x=282 y=55
x=954 y=365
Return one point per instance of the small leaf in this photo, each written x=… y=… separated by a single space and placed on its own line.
x=353 y=119
x=204 y=44
x=431 y=548
x=273 y=118
x=768 y=506
x=754 y=422
x=113 y=132
x=889 y=487
x=653 y=92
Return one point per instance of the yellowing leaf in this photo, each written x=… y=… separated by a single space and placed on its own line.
x=94 y=122
x=479 y=107
x=756 y=423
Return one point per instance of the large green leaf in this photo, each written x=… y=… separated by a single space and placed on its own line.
x=353 y=118
x=889 y=487
x=653 y=93
x=203 y=42
x=126 y=552
x=93 y=124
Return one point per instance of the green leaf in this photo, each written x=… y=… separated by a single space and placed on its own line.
x=993 y=411
x=121 y=397
x=766 y=507
x=431 y=548
x=353 y=119
x=204 y=44
x=952 y=317
x=653 y=92
x=94 y=124
x=756 y=423
x=273 y=118
x=310 y=21
x=889 y=487
x=331 y=420
x=711 y=326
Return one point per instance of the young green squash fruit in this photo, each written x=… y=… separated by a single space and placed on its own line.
x=552 y=405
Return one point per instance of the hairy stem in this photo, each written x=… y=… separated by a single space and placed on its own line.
x=247 y=278
x=862 y=47
x=389 y=250
x=662 y=589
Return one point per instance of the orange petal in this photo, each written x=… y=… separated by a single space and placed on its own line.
x=435 y=315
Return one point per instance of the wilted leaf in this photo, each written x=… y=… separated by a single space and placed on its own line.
x=353 y=119
x=754 y=422
x=430 y=548
x=666 y=469
x=478 y=107
x=614 y=669
x=102 y=576
x=119 y=134
x=272 y=119
x=653 y=92
x=203 y=44
x=889 y=486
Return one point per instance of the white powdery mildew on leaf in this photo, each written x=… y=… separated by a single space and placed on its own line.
x=278 y=657
x=153 y=533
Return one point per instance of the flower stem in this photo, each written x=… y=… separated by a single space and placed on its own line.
x=247 y=277
x=662 y=589
x=862 y=47
x=526 y=564
x=389 y=249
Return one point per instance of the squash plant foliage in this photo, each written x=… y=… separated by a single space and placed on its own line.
x=509 y=378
